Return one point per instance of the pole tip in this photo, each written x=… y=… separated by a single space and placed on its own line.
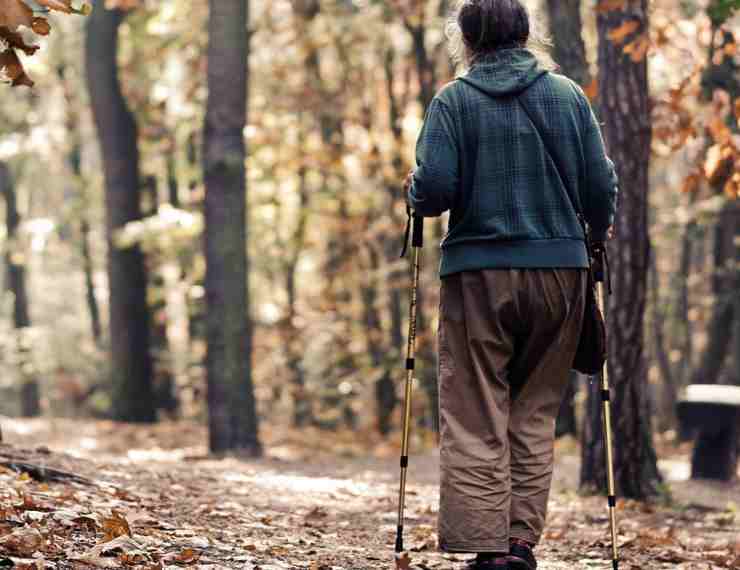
x=403 y=561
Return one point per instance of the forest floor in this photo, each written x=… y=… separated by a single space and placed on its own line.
x=151 y=498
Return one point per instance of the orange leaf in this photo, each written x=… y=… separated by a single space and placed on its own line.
x=114 y=526
x=719 y=130
x=619 y=34
x=41 y=26
x=732 y=188
x=15 y=13
x=691 y=183
x=638 y=48
x=592 y=89
x=719 y=163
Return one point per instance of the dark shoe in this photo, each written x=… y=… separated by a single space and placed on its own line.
x=498 y=563
x=521 y=556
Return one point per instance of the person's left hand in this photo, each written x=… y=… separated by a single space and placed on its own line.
x=407 y=184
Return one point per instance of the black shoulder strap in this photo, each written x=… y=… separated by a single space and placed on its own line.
x=574 y=200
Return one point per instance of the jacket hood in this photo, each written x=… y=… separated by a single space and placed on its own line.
x=505 y=72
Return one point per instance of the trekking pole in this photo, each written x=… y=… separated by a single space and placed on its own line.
x=603 y=280
x=417 y=241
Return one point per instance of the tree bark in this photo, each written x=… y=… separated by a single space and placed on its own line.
x=117 y=132
x=566 y=29
x=233 y=420
x=16 y=278
x=92 y=302
x=623 y=93
x=74 y=159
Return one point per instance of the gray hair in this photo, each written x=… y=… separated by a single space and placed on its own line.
x=464 y=53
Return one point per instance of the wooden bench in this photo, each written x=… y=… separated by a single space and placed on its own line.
x=711 y=413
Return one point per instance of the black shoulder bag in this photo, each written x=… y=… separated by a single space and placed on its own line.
x=591 y=353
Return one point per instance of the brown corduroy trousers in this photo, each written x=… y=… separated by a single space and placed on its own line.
x=507 y=338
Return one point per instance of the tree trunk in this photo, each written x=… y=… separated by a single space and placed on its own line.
x=302 y=404
x=623 y=93
x=16 y=278
x=233 y=421
x=724 y=285
x=74 y=158
x=92 y=302
x=566 y=29
x=172 y=181
x=117 y=132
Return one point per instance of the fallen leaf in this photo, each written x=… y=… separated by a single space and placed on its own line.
x=116 y=525
x=22 y=542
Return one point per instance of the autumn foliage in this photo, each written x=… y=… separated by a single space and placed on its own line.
x=20 y=23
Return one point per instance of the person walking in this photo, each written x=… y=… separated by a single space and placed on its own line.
x=514 y=152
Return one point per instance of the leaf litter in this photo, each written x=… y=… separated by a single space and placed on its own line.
x=315 y=511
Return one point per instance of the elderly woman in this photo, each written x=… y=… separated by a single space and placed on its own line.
x=515 y=153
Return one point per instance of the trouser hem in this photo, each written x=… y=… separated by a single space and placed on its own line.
x=529 y=537
x=459 y=548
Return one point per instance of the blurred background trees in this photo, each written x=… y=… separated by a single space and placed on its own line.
x=160 y=266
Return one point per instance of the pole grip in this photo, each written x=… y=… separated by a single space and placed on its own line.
x=417 y=237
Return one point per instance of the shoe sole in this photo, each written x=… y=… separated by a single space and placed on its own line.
x=516 y=563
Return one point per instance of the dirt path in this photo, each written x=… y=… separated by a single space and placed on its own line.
x=321 y=513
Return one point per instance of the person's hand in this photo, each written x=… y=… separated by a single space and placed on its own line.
x=407 y=184
x=610 y=233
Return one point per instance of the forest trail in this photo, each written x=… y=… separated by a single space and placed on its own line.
x=317 y=512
